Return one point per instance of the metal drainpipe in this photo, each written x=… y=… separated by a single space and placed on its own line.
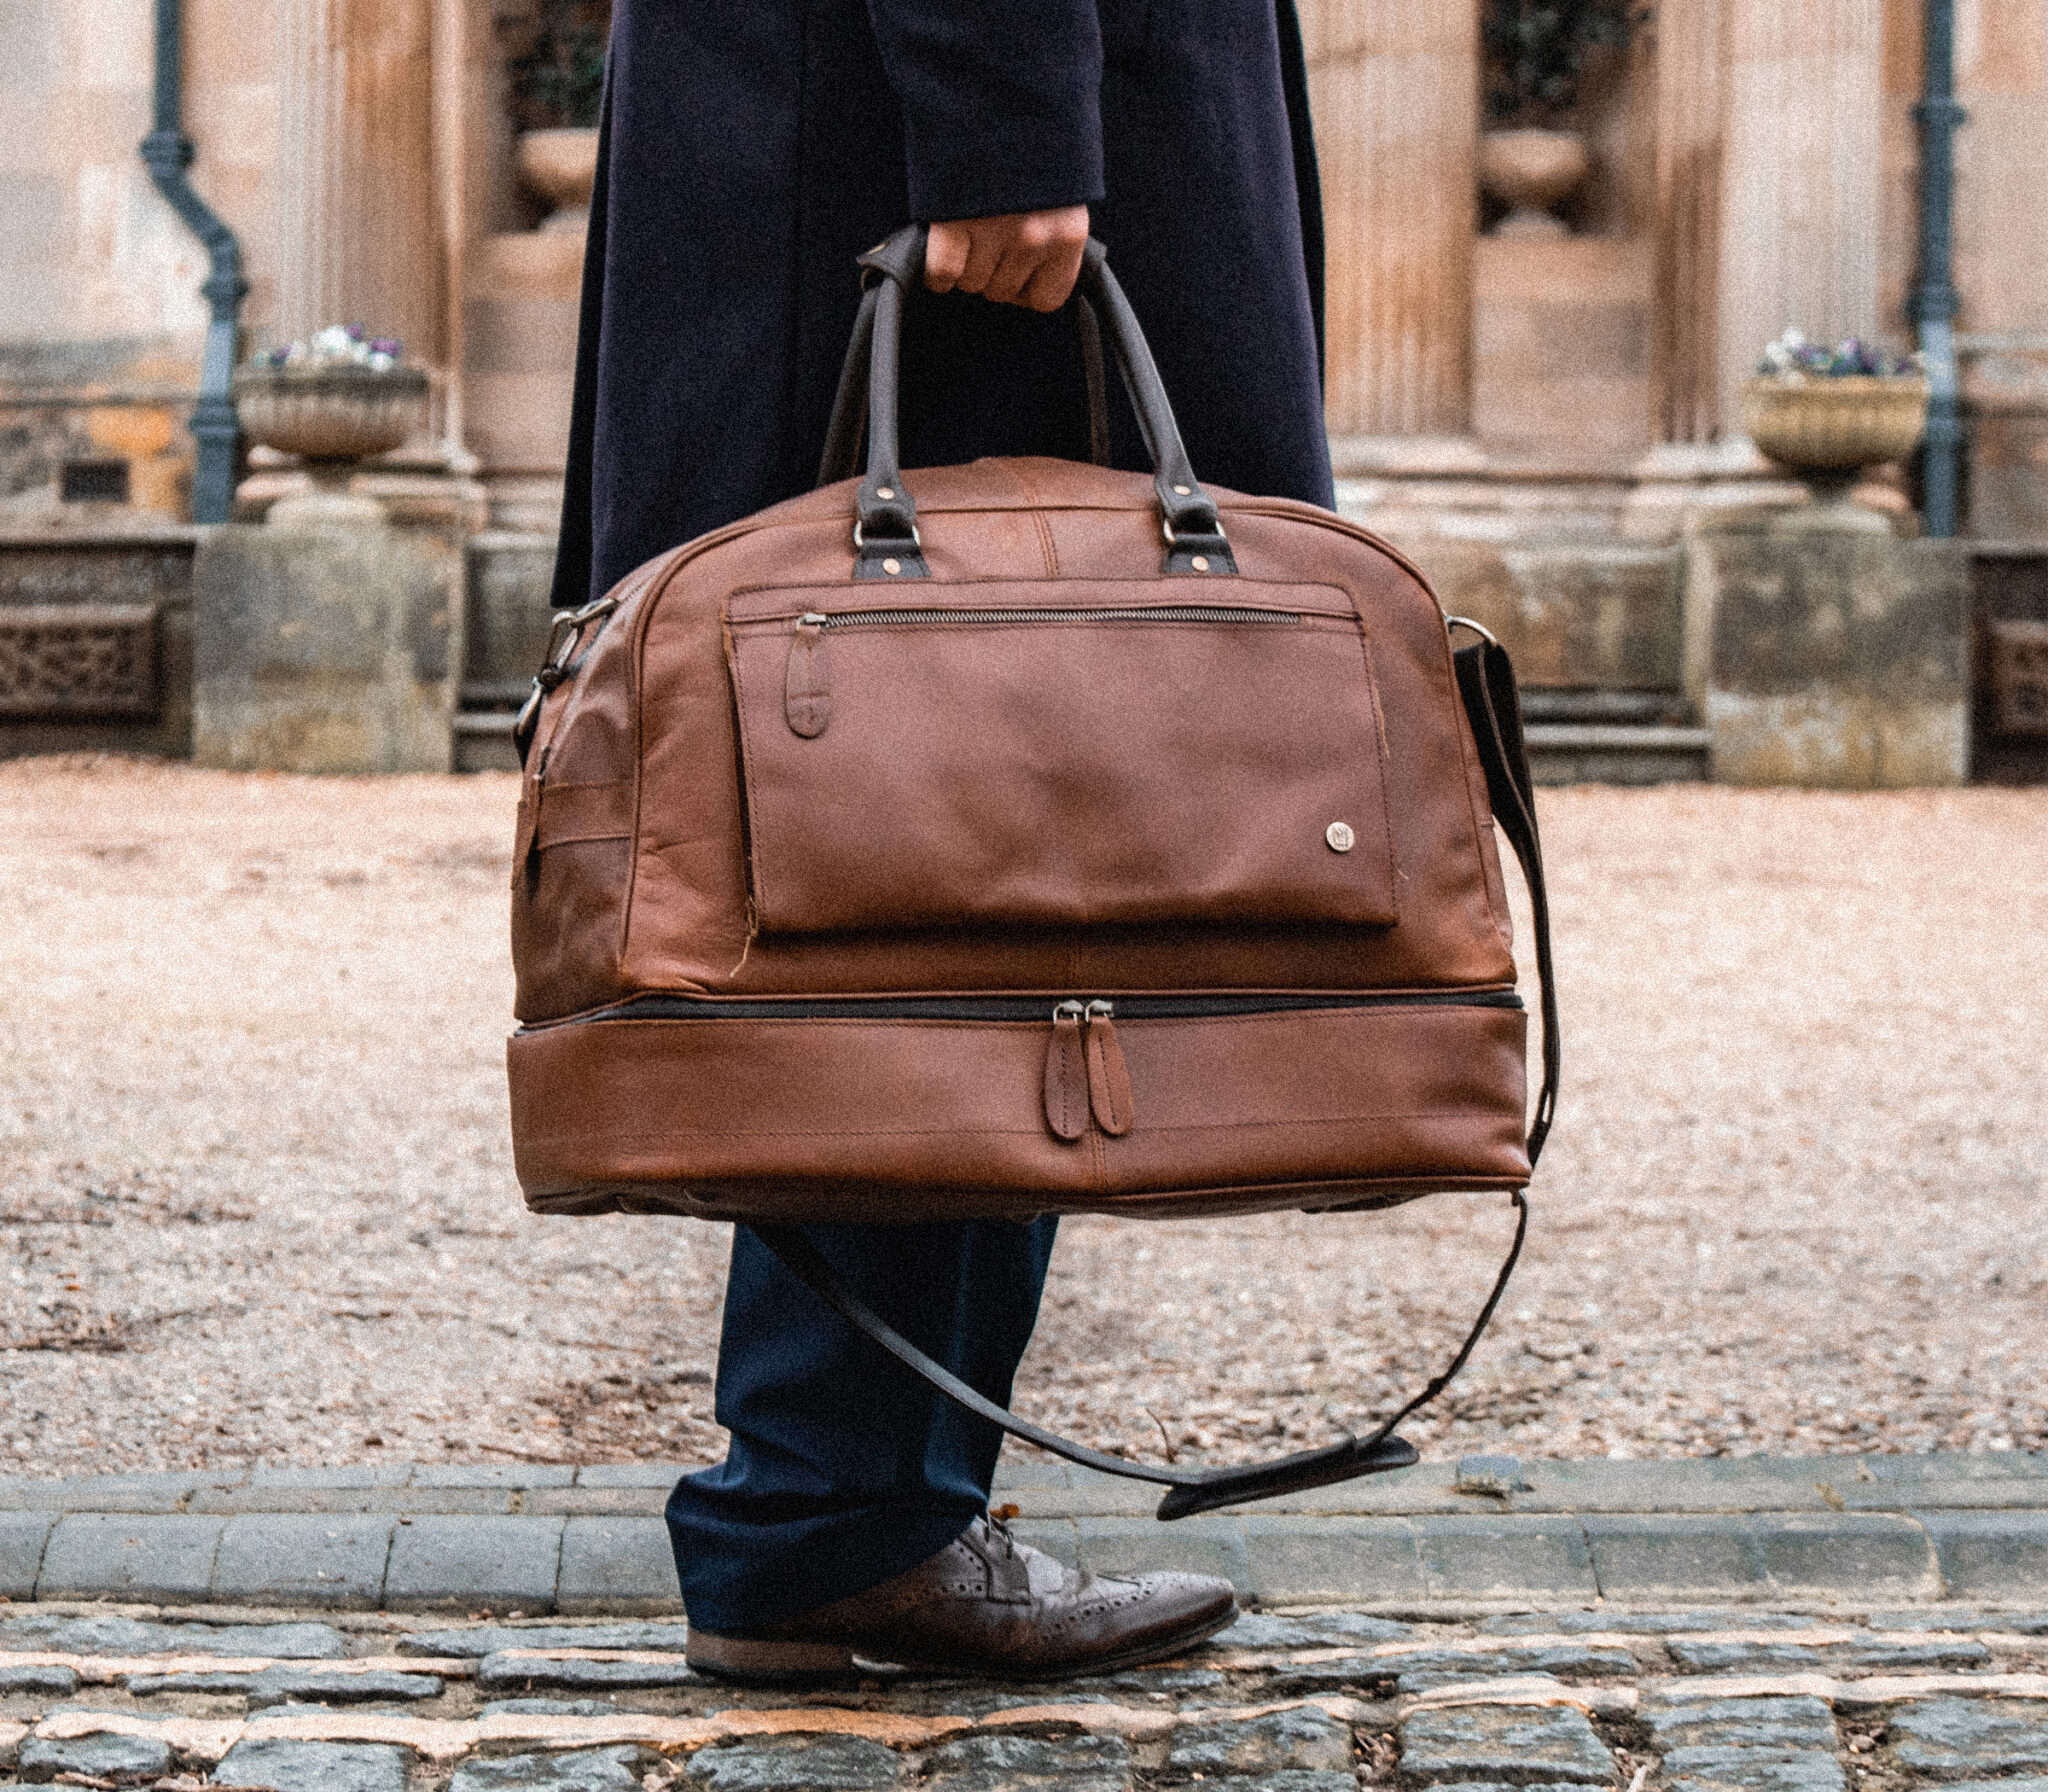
x=1935 y=299
x=168 y=152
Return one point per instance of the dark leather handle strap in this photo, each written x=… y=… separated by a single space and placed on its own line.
x=850 y=402
x=885 y=531
x=841 y=458
x=1486 y=685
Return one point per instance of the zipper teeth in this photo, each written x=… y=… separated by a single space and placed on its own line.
x=1008 y=1008
x=1160 y=613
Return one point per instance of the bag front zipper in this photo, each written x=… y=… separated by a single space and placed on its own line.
x=807 y=680
x=818 y=619
x=1085 y=1072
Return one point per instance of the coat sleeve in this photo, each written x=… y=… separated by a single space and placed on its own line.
x=1001 y=101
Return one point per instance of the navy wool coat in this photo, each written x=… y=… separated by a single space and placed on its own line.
x=753 y=148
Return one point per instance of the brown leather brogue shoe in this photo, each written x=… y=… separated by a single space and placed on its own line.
x=986 y=1605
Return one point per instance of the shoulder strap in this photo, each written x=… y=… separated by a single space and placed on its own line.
x=1493 y=707
x=1486 y=684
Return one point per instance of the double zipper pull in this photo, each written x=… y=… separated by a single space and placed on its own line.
x=1085 y=1073
x=1066 y=1074
x=1109 y=1078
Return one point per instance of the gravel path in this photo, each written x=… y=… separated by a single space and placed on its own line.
x=257 y=1204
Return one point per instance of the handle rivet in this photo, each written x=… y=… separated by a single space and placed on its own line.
x=884 y=491
x=1200 y=563
x=892 y=566
x=1183 y=491
x=1340 y=836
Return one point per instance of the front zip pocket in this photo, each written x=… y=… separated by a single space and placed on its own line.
x=1013 y=756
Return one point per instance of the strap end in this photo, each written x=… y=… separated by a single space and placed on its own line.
x=1265 y=1481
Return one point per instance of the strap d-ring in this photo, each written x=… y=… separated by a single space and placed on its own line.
x=564 y=637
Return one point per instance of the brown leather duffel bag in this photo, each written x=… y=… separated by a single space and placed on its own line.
x=1028 y=837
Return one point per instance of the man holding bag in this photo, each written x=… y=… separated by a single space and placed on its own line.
x=750 y=153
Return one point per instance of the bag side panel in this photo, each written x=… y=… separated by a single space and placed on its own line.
x=572 y=859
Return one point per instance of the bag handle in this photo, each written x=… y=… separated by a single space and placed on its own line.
x=885 y=528
x=1486 y=685
x=841 y=459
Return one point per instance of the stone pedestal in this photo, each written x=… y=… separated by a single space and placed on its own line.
x=1824 y=651
x=327 y=648
x=521 y=299
x=1561 y=342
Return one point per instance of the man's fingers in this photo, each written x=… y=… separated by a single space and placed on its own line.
x=986 y=241
x=945 y=256
x=1015 y=271
x=1022 y=258
x=1053 y=282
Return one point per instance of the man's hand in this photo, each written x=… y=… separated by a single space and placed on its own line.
x=1020 y=258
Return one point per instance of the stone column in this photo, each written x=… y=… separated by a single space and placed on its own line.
x=1395 y=86
x=453 y=50
x=359 y=228
x=1685 y=287
x=1802 y=175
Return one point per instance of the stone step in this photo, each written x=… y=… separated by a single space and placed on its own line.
x=483 y=740
x=1617 y=753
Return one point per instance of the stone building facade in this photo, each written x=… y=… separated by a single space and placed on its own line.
x=1508 y=397
x=1755 y=167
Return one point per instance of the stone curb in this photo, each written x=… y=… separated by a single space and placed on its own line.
x=1897 y=1530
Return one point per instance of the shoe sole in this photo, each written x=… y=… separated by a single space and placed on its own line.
x=742 y=1661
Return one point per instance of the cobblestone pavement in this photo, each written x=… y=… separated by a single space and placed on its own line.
x=257 y=1207
x=1311 y=1701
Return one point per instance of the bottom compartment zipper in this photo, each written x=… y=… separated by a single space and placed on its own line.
x=1086 y=1076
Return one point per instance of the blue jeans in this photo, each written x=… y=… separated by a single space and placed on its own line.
x=845 y=1469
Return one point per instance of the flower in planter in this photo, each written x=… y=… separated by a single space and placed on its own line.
x=339 y=345
x=1793 y=357
x=555 y=62
x=1538 y=52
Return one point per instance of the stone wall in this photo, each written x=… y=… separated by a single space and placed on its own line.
x=101 y=318
x=96 y=642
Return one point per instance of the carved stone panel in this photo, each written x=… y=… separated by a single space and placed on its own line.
x=2018 y=677
x=74 y=661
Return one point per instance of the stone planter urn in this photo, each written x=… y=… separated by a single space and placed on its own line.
x=1531 y=171
x=332 y=417
x=561 y=167
x=1829 y=429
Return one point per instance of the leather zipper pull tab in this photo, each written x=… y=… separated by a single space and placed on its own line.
x=807 y=684
x=1109 y=1077
x=1066 y=1074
